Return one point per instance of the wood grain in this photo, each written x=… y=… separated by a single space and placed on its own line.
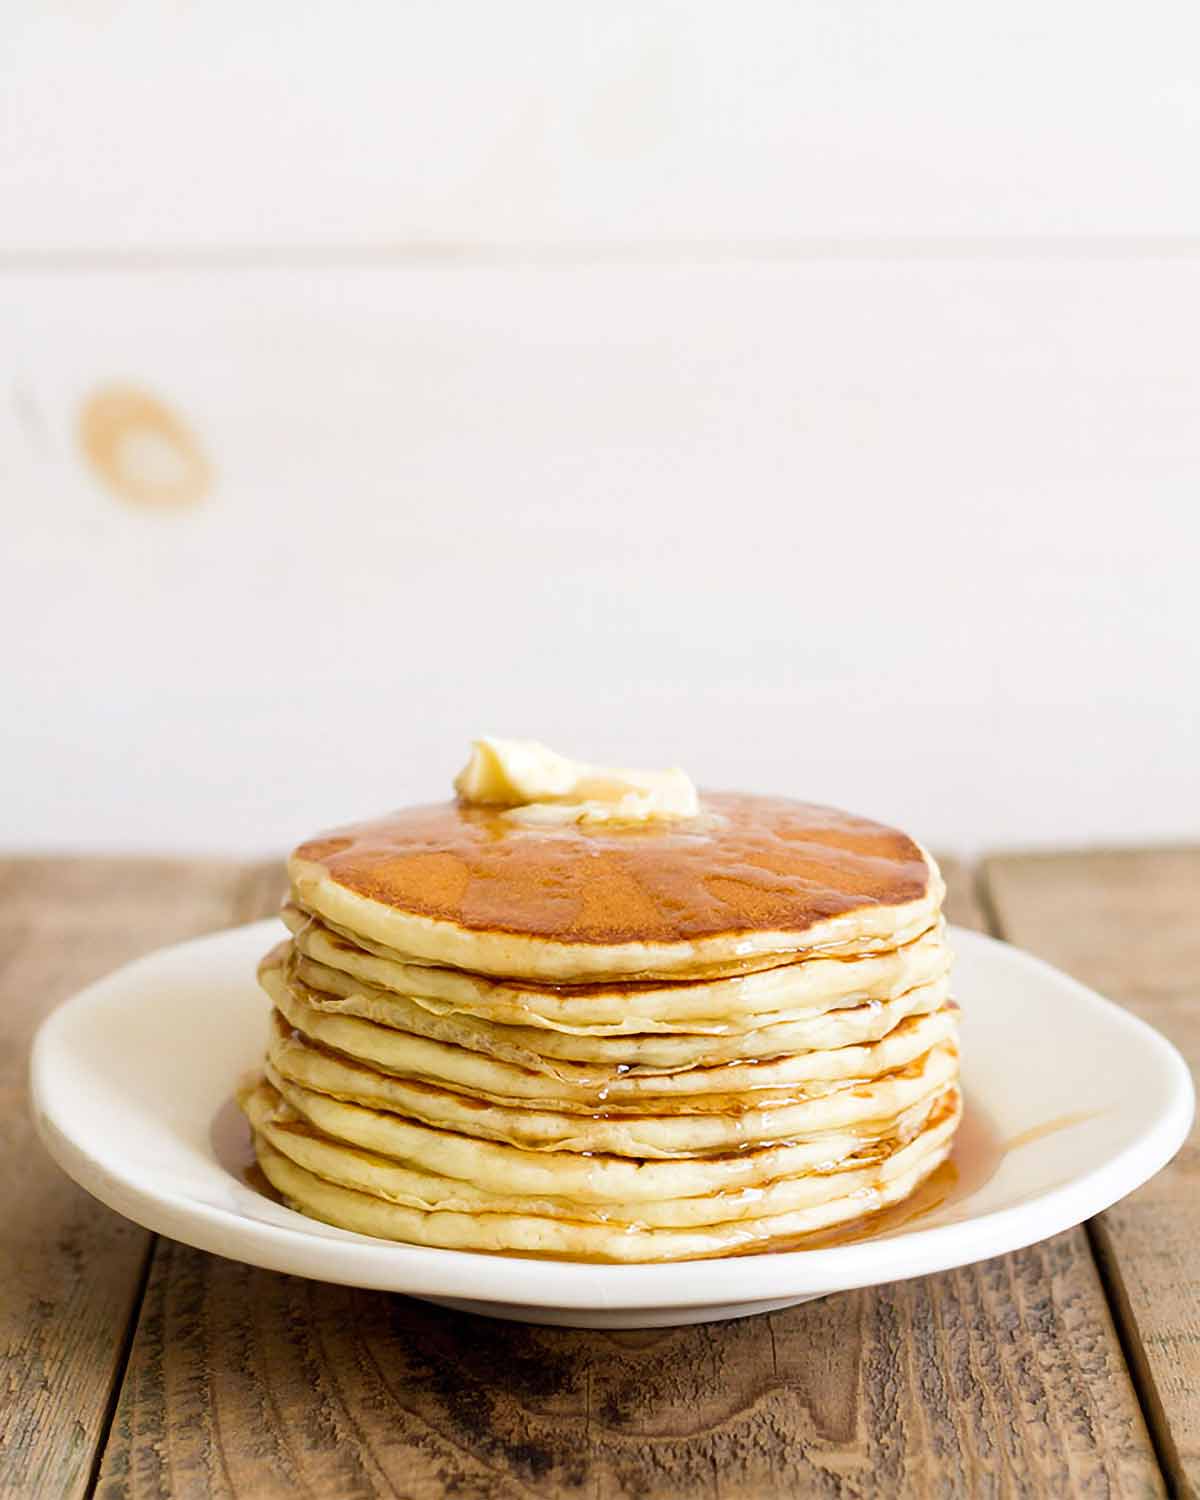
x=70 y=1270
x=1129 y=924
x=1000 y=1379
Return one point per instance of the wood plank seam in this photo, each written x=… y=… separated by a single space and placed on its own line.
x=1112 y=1283
x=71 y=1271
x=1155 y=1416
x=120 y=1366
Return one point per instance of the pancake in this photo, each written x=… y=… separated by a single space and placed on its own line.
x=566 y=1239
x=749 y=883
x=600 y=1178
x=400 y=1183
x=641 y=1135
x=337 y=993
x=580 y=1088
x=588 y=1014
x=787 y=992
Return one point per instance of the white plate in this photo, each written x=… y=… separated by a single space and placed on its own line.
x=1071 y=1103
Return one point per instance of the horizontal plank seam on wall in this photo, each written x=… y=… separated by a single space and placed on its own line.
x=1112 y=1283
x=662 y=252
x=121 y=1366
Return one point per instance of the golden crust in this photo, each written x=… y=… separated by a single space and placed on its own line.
x=752 y=882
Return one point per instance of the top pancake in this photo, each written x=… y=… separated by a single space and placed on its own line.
x=750 y=883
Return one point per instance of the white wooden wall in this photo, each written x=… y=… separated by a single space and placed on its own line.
x=807 y=394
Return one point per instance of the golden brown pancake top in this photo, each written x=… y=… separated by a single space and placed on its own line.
x=747 y=864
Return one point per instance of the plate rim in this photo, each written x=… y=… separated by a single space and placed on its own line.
x=358 y=1260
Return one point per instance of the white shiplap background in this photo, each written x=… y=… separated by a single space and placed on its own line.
x=806 y=394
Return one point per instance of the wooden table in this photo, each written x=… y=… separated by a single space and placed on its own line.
x=130 y=1365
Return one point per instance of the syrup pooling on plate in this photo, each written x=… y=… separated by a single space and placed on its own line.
x=690 y=1036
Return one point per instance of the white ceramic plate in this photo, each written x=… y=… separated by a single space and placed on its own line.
x=1071 y=1103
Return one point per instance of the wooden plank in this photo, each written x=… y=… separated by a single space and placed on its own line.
x=999 y=1379
x=665 y=129
x=70 y=1270
x=1129 y=924
x=1004 y=1378
x=624 y=386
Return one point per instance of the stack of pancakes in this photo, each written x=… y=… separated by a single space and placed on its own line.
x=656 y=1042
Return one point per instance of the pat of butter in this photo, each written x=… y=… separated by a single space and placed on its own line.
x=539 y=786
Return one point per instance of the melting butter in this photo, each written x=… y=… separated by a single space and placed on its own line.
x=537 y=785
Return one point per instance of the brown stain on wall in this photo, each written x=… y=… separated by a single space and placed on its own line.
x=142 y=451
